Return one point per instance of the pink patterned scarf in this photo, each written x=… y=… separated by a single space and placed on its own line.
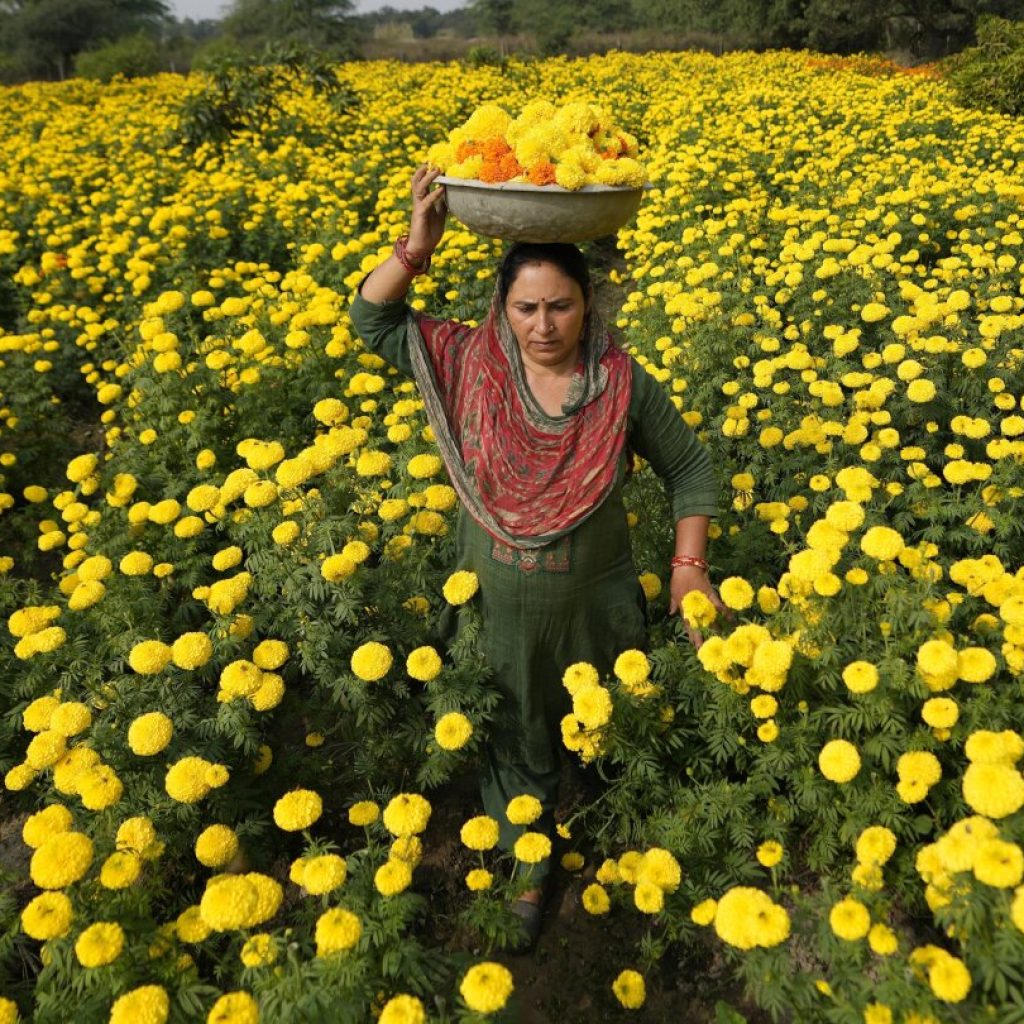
x=526 y=477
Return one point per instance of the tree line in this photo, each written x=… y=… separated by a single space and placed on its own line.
x=52 y=39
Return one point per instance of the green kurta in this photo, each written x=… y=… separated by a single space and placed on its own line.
x=576 y=599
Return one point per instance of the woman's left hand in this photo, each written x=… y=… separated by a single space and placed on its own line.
x=684 y=579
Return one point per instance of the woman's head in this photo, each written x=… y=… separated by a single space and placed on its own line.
x=566 y=257
x=545 y=293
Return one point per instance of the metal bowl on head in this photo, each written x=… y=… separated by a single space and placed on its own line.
x=521 y=212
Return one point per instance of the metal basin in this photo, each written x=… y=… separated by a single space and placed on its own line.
x=540 y=213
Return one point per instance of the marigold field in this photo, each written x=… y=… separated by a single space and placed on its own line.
x=236 y=730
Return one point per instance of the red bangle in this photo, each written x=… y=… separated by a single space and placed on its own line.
x=680 y=561
x=413 y=262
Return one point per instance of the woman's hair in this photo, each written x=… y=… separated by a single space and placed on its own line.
x=563 y=255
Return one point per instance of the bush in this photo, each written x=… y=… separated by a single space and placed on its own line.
x=991 y=74
x=131 y=56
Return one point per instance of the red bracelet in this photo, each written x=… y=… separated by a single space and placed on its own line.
x=681 y=561
x=413 y=262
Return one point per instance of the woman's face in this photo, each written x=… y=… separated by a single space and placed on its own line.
x=546 y=309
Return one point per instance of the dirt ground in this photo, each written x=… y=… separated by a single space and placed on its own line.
x=567 y=978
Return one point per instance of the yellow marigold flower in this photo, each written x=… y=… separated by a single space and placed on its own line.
x=478 y=880
x=191 y=650
x=392 y=877
x=579 y=675
x=335 y=568
x=323 y=874
x=460 y=587
x=453 y=731
x=592 y=705
x=940 y=712
x=148 y=657
x=227 y=558
x=136 y=835
x=136 y=563
x=270 y=654
x=998 y=863
x=882 y=940
x=371 y=661
x=523 y=810
x=241 y=678
x=595 y=899
x=632 y=668
x=698 y=610
x=407 y=814
x=650 y=583
x=659 y=867
x=769 y=853
x=949 y=978
x=100 y=944
x=421 y=467
x=337 y=931
x=986 y=747
x=937 y=664
x=61 y=860
x=921 y=390
x=919 y=765
x=99 y=787
x=480 y=833
x=8 y=1011
x=736 y=593
x=190 y=926
x=36 y=717
x=839 y=761
x=704 y=912
x=43 y=824
x=366 y=812
x=486 y=987
x=403 y=1009
x=648 y=898
x=849 y=919
x=286 y=533
x=234 y=1008
x=423 y=664
x=875 y=845
x=882 y=543
x=229 y=902
x=186 y=780
x=47 y=916
x=629 y=989
x=994 y=790
x=45 y=749
x=976 y=664
x=216 y=846
x=148 y=1004
x=532 y=847
x=746 y=917
x=70 y=719
x=373 y=463
x=297 y=810
x=260 y=950
x=150 y=733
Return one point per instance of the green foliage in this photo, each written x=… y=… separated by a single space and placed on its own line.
x=990 y=75
x=130 y=57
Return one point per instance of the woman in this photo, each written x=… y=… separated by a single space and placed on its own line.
x=535 y=413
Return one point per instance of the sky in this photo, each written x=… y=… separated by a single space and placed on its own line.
x=199 y=9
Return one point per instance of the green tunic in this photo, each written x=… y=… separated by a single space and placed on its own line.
x=576 y=599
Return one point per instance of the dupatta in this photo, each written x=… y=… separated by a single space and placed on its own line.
x=526 y=477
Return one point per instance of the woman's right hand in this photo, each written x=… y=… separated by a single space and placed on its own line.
x=429 y=212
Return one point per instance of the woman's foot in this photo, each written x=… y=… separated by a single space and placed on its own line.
x=529 y=908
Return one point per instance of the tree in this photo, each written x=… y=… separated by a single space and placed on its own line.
x=497 y=17
x=319 y=24
x=45 y=35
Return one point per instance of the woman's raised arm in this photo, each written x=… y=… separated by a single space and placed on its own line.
x=392 y=278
